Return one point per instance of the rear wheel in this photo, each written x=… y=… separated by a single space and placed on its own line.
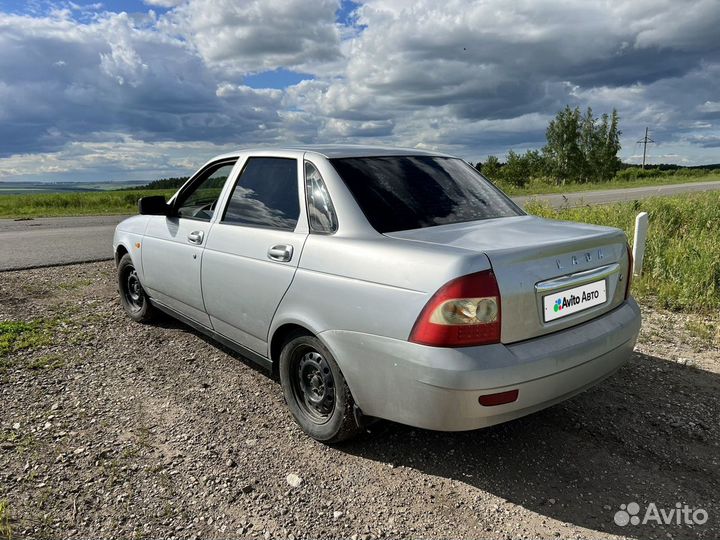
x=133 y=297
x=315 y=390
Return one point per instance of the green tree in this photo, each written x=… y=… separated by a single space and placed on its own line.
x=166 y=183
x=491 y=168
x=581 y=148
x=515 y=171
x=535 y=164
x=589 y=149
x=562 y=152
x=609 y=141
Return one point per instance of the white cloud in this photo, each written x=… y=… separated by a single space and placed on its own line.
x=119 y=73
x=710 y=107
x=439 y=72
x=685 y=25
x=259 y=35
x=118 y=156
x=123 y=63
x=345 y=129
x=163 y=3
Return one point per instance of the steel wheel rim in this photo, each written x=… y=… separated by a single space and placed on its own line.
x=313 y=384
x=133 y=291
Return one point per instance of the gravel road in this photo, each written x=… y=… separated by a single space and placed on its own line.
x=52 y=241
x=111 y=429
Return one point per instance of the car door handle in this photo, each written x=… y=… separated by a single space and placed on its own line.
x=281 y=252
x=195 y=237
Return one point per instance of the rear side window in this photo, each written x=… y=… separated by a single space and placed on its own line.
x=399 y=193
x=266 y=194
x=321 y=213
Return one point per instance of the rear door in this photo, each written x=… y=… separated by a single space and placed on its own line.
x=253 y=250
x=173 y=245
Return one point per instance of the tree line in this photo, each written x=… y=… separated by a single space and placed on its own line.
x=580 y=148
x=166 y=183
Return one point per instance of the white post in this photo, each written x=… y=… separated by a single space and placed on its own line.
x=641 y=228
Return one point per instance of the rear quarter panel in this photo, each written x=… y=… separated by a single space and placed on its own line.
x=371 y=285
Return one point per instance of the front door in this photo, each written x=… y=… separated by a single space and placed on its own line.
x=253 y=250
x=173 y=245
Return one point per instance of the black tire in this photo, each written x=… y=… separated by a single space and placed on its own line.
x=315 y=390
x=133 y=297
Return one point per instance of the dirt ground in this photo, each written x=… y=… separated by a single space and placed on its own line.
x=111 y=429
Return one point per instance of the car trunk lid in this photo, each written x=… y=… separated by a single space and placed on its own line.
x=539 y=263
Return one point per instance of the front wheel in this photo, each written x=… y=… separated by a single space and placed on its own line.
x=133 y=297
x=315 y=390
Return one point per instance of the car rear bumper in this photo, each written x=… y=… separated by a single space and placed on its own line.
x=438 y=388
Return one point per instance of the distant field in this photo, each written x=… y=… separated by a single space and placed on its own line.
x=543 y=188
x=536 y=186
x=30 y=188
x=74 y=204
x=682 y=265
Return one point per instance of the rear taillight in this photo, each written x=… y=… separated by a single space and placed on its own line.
x=629 y=271
x=464 y=312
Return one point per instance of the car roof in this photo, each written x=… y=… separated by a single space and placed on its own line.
x=343 y=150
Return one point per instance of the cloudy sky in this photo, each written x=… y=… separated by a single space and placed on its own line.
x=141 y=89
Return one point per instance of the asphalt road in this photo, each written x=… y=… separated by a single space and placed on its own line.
x=55 y=241
x=614 y=195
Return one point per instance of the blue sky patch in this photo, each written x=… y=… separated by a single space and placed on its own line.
x=345 y=14
x=42 y=7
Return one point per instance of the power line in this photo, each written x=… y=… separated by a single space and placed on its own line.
x=645 y=140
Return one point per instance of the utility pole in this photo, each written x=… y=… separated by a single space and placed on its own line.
x=645 y=140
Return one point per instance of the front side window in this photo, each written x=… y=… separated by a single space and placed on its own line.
x=200 y=199
x=398 y=193
x=266 y=194
x=321 y=213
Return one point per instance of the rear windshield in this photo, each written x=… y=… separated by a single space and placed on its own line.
x=399 y=193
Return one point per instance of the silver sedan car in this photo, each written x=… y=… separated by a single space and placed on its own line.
x=383 y=283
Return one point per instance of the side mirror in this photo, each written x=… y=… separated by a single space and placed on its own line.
x=154 y=205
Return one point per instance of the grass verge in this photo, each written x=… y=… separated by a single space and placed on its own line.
x=74 y=204
x=682 y=257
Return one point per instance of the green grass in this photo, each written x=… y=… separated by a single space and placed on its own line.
x=75 y=284
x=26 y=335
x=542 y=188
x=5 y=529
x=46 y=361
x=74 y=204
x=706 y=332
x=17 y=335
x=682 y=258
